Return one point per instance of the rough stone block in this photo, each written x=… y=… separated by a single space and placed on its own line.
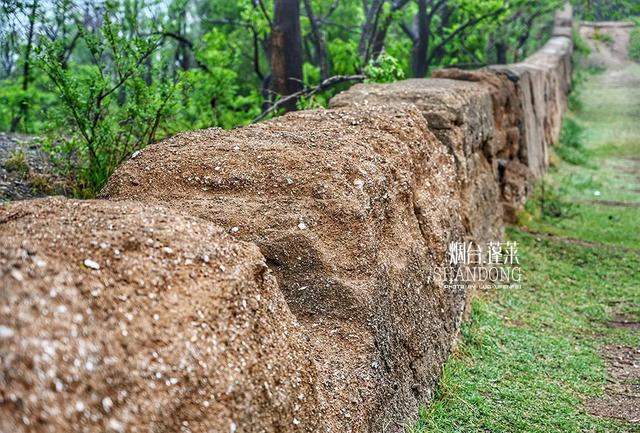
x=126 y=317
x=460 y=114
x=352 y=210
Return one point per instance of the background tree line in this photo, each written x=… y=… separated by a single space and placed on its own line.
x=99 y=80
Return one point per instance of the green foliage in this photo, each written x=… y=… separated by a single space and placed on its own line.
x=574 y=102
x=634 y=44
x=580 y=46
x=602 y=37
x=40 y=184
x=38 y=99
x=109 y=109
x=570 y=147
x=610 y=10
x=548 y=202
x=581 y=51
x=107 y=81
x=344 y=55
x=384 y=69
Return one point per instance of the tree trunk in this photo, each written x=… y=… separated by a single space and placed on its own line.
x=378 y=40
x=421 y=44
x=286 y=50
x=381 y=33
x=369 y=29
x=26 y=71
x=501 y=52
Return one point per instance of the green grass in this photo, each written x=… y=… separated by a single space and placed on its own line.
x=634 y=44
x=603 y=37
x=529 y=357
x=570 y=148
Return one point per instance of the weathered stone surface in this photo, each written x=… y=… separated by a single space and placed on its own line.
x=530 y=85
x=564 y=17
x=516 y=183
x=502 y=151
x=554 y=59
x=507 y=110
x=119 y=317
x=460 y=114
x=565 y=31
x=353 y=210
x=542 y=83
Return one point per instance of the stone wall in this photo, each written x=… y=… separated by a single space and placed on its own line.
x=315 y=305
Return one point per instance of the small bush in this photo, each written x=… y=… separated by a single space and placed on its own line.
x=581 y=48
x=602 y=37
x=40 y=184
x=548 y=202
x=108 y=109
x=581 y=71
x=574 y=102
x=17 y=162
x=570 y=147
x=384 y=69
x=634 y=44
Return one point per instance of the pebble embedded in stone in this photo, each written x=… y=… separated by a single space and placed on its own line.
x=6 y=332
x=107 y=404
x=91 y=264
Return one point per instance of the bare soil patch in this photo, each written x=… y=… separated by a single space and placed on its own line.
x=621 y=320
x=614 y=203
x=622 y=392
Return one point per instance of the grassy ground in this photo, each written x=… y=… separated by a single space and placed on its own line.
x=530 y=356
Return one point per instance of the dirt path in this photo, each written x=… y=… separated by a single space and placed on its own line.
x=612 y=112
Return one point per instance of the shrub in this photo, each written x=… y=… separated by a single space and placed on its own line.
x=574 y=101
x=38 y=99
x=634 y=44
x=605 y=38
x=41 y=184
x=384 y=69
x=17 y=162
x=570 y=147
x=547 y=202
x=110 y=108
x=581 y=48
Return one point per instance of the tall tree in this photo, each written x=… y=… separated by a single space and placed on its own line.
x=286 y=50
x=372 y=11
x=321 y=56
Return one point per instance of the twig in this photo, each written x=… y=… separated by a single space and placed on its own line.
x=331 y=81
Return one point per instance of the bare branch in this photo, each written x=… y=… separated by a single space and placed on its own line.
x=330 y=12
x=462 y=28
x=260 y=3
x=407 y=30
x=329 y=82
